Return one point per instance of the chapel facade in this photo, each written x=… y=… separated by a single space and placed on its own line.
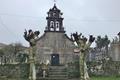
x=54 y=45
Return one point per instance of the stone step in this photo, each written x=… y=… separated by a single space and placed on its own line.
x=57 y=76
x=57 y=67
x=63 y=70
x=47 y=78
x=57 y=73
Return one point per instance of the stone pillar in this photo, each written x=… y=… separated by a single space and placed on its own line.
x=119 y=36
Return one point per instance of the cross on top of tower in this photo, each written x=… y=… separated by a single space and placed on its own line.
x=54 y=1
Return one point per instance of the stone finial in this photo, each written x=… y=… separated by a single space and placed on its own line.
x=119 y=36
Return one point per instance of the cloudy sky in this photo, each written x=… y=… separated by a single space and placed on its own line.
x=97 y=17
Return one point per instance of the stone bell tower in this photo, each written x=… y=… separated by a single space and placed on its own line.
x=54 y=20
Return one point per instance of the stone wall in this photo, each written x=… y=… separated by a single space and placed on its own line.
x=14 y=70
x=115 y=51
x=55 y=43
x=73 y=70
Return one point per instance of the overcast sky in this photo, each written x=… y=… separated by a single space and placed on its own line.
x=97 y=17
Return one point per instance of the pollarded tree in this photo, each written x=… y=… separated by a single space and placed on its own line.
x=102 y=42
x=32 y=37
x=99 y=42
x=84 y=46
x=106 y=43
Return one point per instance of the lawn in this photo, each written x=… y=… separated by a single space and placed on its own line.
x=105 y=78
x=92 y=78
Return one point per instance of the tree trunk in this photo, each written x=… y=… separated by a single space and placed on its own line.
x=83 y=67
x=32 y=75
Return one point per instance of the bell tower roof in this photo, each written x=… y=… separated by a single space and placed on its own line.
x=54 y=20
x=55 y=8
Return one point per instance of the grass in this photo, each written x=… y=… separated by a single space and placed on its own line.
x=92 y=78
x=105 y=78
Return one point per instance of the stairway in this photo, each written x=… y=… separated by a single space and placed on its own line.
x=56 y=73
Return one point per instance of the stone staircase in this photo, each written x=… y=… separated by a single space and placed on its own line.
x=56 y=73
